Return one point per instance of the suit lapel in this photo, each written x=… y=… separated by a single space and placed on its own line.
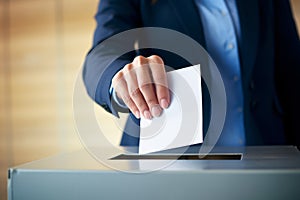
x=249 y=25
x=189 y=18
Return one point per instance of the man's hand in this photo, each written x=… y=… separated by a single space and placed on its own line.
x=142 y=85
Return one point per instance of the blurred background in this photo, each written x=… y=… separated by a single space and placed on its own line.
x=42 y=48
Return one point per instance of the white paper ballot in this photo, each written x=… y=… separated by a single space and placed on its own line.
x=181 y=123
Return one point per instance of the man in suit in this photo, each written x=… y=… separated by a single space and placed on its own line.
x=254 y=44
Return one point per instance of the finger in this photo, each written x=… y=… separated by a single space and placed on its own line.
x=134 y=92
x=146 y=87
x=120 y=87
x=160 y=80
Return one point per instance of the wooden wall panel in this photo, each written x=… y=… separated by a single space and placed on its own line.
x=4 y=109
x=76 y=37
x=47 y=43
x=33 y=79
x=75 y=29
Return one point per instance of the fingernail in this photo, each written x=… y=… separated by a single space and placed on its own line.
x=164 y=103
x=137 y=114
x=147 y=114
x=156 y=110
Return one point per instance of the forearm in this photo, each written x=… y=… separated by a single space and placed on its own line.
x=106 y=57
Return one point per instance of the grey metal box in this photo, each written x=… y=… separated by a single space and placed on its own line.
x=271 y=172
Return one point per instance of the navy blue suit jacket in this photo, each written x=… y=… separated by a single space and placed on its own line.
x=269 y=52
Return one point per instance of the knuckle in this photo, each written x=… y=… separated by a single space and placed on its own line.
x=118 y=75
x=156 y=59
x=127 y=101
x=117 y=78
x=128 y=68
x=135 y=93
x=145 y=87
x=142 y=106
x=140 y=60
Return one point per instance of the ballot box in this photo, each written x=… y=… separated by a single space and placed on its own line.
x=264 y=172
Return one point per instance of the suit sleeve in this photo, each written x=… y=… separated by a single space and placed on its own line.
x=104 y=60
x=287 y=61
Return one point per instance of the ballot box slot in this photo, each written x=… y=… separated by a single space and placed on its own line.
x=178 y=157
